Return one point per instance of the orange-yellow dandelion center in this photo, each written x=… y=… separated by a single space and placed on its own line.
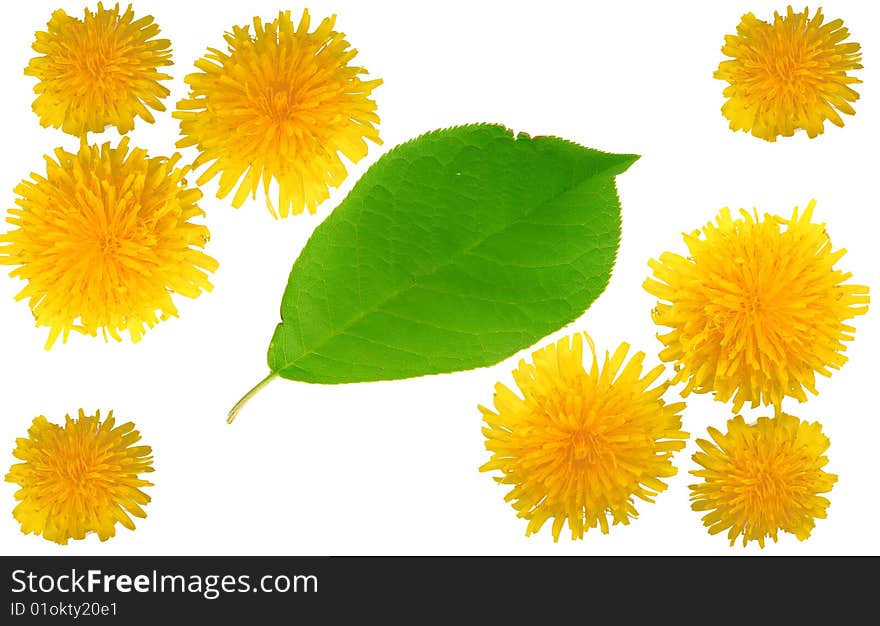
x=590 y=447
x=791 y=71
x=78 y=472
x=279 y=105
x=759 y=307
x=102 y=63
x=754 y=305
x=110 y=242
x=764 y=486
x=279 y=114
x=110 y=239
x=582 y=447
x=585 y=446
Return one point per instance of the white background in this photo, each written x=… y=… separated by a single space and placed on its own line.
x=391 y=468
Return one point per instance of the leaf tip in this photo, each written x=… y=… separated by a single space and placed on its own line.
x=623 y=162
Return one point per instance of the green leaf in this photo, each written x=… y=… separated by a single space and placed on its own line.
x=453 y=251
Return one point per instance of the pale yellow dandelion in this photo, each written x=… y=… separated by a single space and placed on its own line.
x=761 y=478
x=104 y=239
x=789 y=74
x=79 y=478
x=100 y=71
x=756 y=309
x=580 y=445
x=281 y=104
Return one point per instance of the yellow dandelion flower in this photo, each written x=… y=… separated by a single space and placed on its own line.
x=99 y=71
x=104 y=239
x=281 y=105
x=579 y=445
x=757 y=308
x=762 y=478
x=787 y=75
x=79 y=478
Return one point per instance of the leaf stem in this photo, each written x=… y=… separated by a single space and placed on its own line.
x=250 y=394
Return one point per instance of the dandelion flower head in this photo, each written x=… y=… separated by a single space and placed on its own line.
x=282 y=104
x=580 y=444
x=761 y=478
x=79 y=478
x=104 y=239
x=102 y=70
x=756 y=309
x=789 y=74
